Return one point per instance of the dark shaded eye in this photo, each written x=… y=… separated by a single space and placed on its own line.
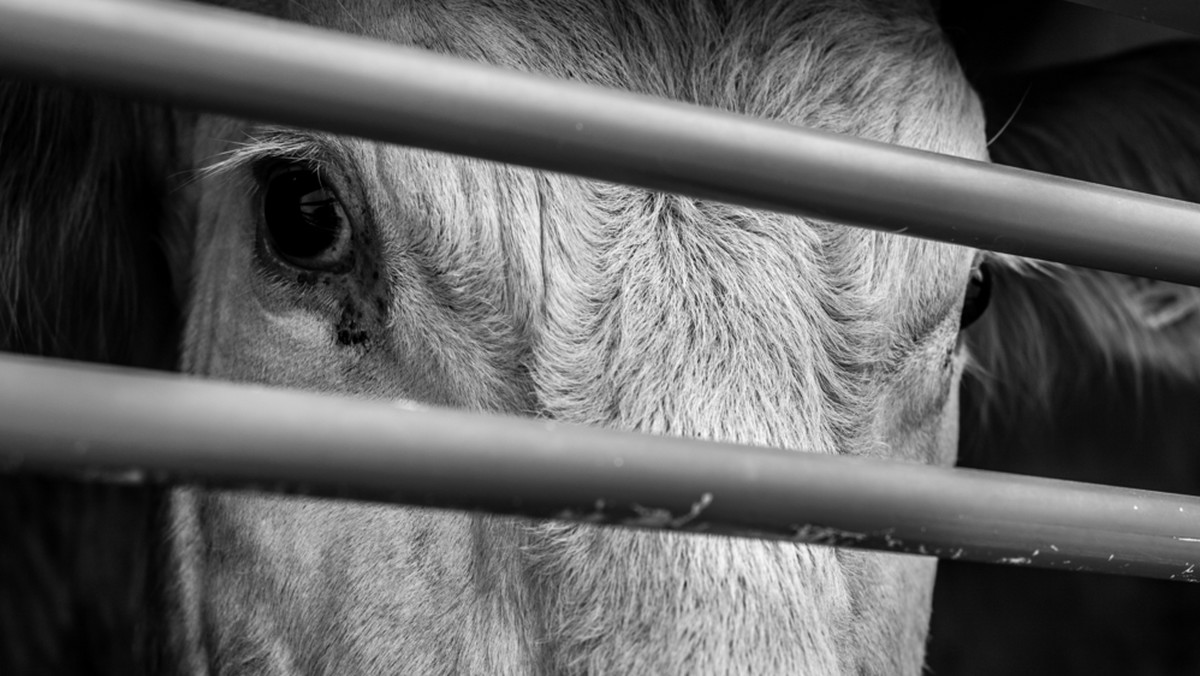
x=979 y=292
x=303 y=221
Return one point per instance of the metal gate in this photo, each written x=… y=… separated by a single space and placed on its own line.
x=130 y=426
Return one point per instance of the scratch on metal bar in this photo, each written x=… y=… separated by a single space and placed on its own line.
x=891 y=540
x=1016 y=560
x=697 y=507
x=823 y=535
x=1183 y=539
x=650 y=517
x=597 y=514
x=654 y=517
x=1187 y=574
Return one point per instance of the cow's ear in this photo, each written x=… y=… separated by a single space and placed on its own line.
x=1131 y=121
x=1053 y=328
x=83 y=188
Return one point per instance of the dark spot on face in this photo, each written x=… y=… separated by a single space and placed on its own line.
x=307 y=277
x=348 y=337
x=349 y=331
x=381 y=306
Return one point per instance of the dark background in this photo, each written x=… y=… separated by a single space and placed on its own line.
x=1103 y=428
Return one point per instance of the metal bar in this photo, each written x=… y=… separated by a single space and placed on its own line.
x=1180 y=15
x=261 y=68
x=61 y=417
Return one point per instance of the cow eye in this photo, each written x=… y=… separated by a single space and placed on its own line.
x=979 y=292
x=303 y=221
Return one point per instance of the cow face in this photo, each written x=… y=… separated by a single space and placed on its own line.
x=341 y=265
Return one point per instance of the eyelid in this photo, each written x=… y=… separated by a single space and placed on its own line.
x=280 y=166
x=267 y=146
x=907 y=343
x=269 y=167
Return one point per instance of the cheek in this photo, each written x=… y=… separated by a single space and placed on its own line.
x=241 y=325
x=920 y=412
x=945 y=442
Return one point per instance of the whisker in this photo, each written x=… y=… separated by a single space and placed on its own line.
x=1011 y=117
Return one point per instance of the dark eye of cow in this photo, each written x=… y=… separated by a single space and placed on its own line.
x=979 y=292
x=303 y=222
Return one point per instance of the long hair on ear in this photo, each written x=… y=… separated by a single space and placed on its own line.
x=82 y=181
x=1130 y=121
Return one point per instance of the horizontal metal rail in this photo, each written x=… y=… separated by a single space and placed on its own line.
x=265 y=69
x=1180 y=15
x=144 y=427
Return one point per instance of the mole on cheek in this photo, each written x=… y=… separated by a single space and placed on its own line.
x=365 y=302
x=349 y=327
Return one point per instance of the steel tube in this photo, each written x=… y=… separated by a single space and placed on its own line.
x=1180 y=15
x=124 y=425
x=265 y=69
